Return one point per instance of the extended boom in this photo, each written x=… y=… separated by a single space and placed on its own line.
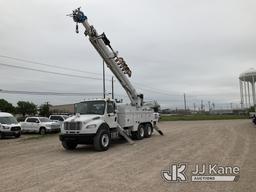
x=116 y=64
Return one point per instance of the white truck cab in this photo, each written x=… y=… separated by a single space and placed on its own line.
x=99 y=121
x=9 y=125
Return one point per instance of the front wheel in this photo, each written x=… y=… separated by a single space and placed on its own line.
x=69 y=145
x=17 y=135
x=101 y=141
x=42 y=131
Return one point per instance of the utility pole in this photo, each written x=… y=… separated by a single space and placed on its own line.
x=213 y=106
x=194 y=107
x=112 y=87
x=202 y=105
x=185 y=102
x=209 y=104
x=104 y=85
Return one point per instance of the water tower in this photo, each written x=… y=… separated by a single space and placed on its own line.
x=247 y=88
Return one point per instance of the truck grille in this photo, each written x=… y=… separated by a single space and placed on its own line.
x=72 y=125
x=15 y=129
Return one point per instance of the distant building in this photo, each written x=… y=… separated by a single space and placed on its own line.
x=63 y=109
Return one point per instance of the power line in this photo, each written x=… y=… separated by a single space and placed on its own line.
x=145 y=87
x=47 y=65
x=76 y=70
x=50 y=72
x=48 y=93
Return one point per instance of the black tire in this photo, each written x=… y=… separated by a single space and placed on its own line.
x=148 y=130
x=42 y=131
x=17 y=135
x=101 y=141
x=254 y=120
x=69 y=145
x=140 y=133
x=2 y=136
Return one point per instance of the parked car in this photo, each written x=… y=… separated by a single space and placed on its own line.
x=58 y=118
x=254 y=120
x=252 y=115
x=9 y=126
x=41 y=125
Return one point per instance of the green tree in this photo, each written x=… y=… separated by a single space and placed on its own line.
x=44 y=110
x=26 y=108
x=5 y=106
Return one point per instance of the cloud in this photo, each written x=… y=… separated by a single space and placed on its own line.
x=198 y=47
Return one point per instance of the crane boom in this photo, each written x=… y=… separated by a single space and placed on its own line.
x=116 y=64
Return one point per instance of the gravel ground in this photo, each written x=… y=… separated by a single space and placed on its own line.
x=41 y=164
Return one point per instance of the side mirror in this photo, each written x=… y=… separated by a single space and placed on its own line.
x=37 y=121
x=116 y=111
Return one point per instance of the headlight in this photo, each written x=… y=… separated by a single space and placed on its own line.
x=5 y=127
x=92 y=126
x=48 y=126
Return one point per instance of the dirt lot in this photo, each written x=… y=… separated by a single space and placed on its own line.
x=41 y=164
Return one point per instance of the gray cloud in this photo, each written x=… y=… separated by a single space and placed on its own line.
x=198 y=47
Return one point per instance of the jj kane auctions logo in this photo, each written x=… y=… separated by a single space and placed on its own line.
x=201 y=173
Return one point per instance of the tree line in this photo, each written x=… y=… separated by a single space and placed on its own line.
x=25 y=108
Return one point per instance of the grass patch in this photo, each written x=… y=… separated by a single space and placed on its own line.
x=197 y=117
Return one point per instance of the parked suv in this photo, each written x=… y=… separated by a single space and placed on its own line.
x=58 y=118
x=9 y=126
x=40 y=125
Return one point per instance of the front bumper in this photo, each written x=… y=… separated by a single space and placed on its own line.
x=51 y=130
x=10 y=133
x=78 y=138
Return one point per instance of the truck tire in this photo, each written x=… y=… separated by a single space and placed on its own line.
x=17 y=135
x=101 y=141
x=148 y=130
x=69 y=145
x=42 y=131
x=140 y=133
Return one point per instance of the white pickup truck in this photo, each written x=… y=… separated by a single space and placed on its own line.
x=41 y=125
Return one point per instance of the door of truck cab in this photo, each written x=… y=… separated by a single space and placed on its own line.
x=111 y=116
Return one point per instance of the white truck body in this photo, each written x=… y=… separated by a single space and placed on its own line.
x=9 y=125
x=40 y=125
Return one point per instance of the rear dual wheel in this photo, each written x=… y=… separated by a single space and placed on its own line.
x=148 y=130
x=140 y=133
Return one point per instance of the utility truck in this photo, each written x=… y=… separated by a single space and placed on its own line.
x=98 y=121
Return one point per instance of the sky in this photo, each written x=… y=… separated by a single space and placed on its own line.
x=173 y=47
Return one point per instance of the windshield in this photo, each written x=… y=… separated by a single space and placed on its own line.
x=8 y=120
x=44 y=119
x=91 y=107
